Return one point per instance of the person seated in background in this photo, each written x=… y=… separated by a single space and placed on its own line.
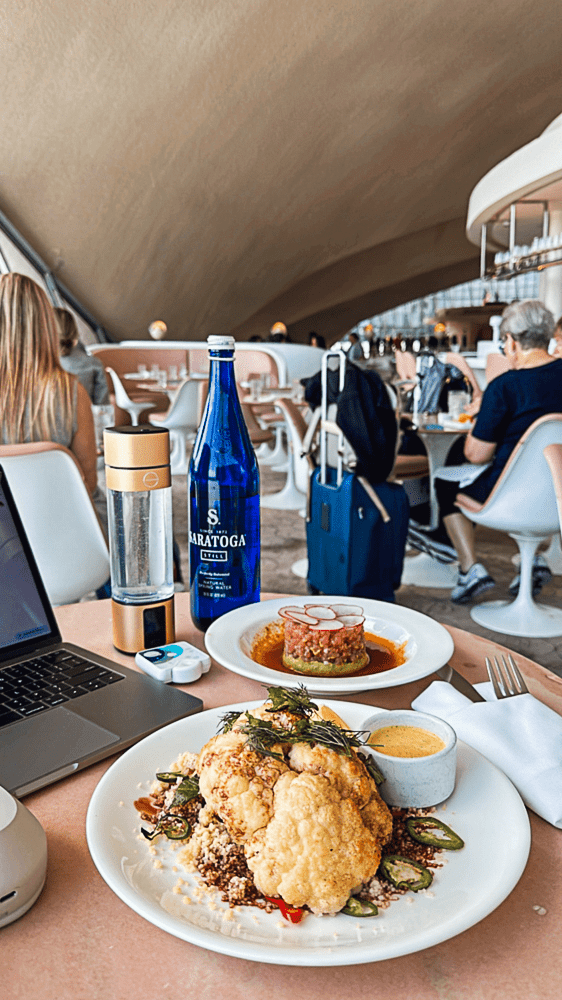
x=278 y=334
x=510 y=404
x=75 y=359
x=39 y=400
x=557 y=335
x=316 y=340
x=355 y=352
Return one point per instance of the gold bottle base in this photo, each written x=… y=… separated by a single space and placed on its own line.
x=143 y=626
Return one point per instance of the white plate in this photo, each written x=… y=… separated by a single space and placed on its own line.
x=470 y=885
x=428 y=645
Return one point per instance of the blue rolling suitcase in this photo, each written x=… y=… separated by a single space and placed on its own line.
x=355 y=532
x=353 y=549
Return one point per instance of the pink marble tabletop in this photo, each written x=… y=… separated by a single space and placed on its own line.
x=80 y=942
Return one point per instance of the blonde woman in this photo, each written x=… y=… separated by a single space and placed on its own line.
x=39 y=400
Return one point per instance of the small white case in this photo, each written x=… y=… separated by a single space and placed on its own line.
x=176 y=663
x=23 y=858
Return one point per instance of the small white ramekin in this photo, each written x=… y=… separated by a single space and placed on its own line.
x=415 y=781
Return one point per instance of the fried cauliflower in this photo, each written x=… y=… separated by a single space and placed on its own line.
x=312 y=822
x=347 y=775
x=316 y=848
x=237 y=783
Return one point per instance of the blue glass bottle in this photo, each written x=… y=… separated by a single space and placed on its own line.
x=224 y=500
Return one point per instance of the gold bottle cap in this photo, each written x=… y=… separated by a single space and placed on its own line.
x=141 y=447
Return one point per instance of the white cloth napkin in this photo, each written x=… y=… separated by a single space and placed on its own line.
x=519 y=735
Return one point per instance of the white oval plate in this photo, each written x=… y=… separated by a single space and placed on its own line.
x=471 y=883
x=428 y=644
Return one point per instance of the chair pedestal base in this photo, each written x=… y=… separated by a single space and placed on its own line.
x=178 y=453
x=523 y=616
x=276 y=455
x=423 y=571
x=289 y=498
x=519 y=618
x=300 y=568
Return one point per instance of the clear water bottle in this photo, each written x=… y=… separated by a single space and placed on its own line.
x=224 y=500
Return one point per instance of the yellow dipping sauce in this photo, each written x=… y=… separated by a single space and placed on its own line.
x=405 y=741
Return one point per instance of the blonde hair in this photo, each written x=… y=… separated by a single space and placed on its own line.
x=37 y=394
x=68 y=331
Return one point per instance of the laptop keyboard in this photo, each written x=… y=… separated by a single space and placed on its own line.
x=45 y=681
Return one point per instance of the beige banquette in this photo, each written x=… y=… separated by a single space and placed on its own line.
x=251 y=358
x=125 y=361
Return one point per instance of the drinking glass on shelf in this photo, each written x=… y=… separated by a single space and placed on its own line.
x=255 y=389
x=265 y=381
x=297 y=395
x=183 y=371
x=162 y=378
x=456 y=402
x=173 y=373
x=423 y=419
x=142 y=370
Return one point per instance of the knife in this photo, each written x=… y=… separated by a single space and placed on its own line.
x=449 y=674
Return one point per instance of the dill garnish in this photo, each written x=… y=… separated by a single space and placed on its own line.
x=287 y=700
x=227 y=721
x=369 y=762
x=329 y=735
x=262 y=736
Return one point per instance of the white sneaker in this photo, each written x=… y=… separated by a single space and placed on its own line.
x=475 y=581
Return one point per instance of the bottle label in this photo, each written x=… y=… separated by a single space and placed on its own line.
x=214 y=547
x=223 y=550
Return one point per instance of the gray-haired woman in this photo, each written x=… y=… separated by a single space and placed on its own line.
x=510 y=404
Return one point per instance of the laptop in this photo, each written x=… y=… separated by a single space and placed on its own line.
x=61 y=706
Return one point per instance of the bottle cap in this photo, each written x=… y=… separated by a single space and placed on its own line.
x=218 y=343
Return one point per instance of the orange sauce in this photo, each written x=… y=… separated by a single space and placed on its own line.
x=144 y=805
x=384 y=654
x=406 y=741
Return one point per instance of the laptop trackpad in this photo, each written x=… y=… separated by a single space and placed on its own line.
x=47 y=743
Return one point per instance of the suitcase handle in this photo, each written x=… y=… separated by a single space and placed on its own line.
x=325 y=426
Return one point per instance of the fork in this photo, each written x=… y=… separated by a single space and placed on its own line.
x=507 y=680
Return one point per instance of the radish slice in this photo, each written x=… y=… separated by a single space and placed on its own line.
x=301 y=617
x=350 y=621
x=319 y=611
x=346 y=609
x=289 y=611
x=327 y=626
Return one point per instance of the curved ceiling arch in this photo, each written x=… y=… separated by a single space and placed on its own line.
x=221 y=163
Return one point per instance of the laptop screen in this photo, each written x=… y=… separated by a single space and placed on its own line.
x=26 y=617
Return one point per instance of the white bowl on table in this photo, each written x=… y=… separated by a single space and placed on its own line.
x=417 y=782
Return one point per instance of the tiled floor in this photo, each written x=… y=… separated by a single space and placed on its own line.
x=283 y=543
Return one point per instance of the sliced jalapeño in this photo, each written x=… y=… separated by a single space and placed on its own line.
x=430 y=830
x=404 y=873
x=359 y=908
